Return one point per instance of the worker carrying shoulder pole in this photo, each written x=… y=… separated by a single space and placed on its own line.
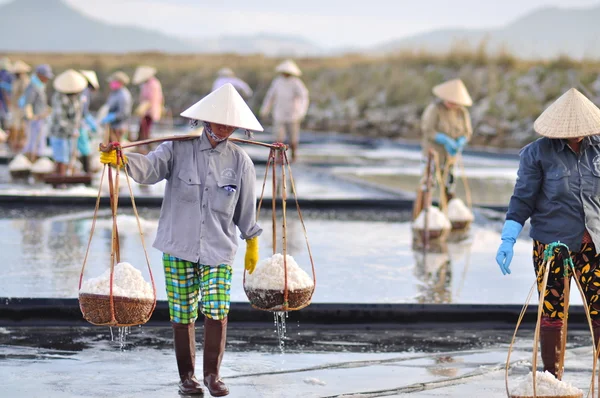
x=446 y=127
x=210 y=191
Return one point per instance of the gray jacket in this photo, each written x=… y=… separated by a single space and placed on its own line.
x=559 y=190
x=120 y=103
x=209 y=192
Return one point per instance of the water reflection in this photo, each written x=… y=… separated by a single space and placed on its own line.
x=434 y=270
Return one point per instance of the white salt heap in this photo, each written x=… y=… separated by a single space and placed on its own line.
x=269 y=275
x=127 y=282
x=436 y=220
x=458 y=211
x=546 y=386
x=19 y=163
x=3 y=136
x=42 y=166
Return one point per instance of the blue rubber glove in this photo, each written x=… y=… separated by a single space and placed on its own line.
x=91 y=122
x=22 y=102
x=510 y=232
x=461 y=143
x=447 y=142
x=111 y=117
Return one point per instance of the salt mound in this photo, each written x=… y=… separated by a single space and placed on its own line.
x=458 y=211
x=269 y=275
x=127 y=282
x=546 y=386
x=3 y=136
x=19 y=163
x=436 y=220
x=43 y=166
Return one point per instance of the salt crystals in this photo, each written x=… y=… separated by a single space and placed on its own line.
x=43 y=166
x=269 y=275
x=3 y=136
x=458 y=211
x=19 y=163
x=127 y=282
x=546 y=386
x=436 y=220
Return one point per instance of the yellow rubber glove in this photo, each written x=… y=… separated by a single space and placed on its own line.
x=111 y=158
x=251 y=254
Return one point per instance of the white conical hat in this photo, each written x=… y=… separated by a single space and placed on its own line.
x=570 y=116
x=70 y=82
x=289 y=67
x=91 y=77
x=20 y=67
x=225 y=72
x=453 y=91
x=143 y=73
x=119 y=76
x=224 y=106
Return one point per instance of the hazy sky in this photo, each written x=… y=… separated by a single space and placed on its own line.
x=328 y=23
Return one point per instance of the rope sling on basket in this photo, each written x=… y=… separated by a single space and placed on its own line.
x=112 y=309
x=550 y=253
x=282 y=298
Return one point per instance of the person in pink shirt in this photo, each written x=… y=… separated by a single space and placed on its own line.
x=151 y=100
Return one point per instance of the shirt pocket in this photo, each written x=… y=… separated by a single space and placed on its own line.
x=556 y=182
x=225 y=197
x=187 y=188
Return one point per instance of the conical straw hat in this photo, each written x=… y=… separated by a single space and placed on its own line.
x=226 y=72
x=453 y=91
x=70 y=82
x=570 y=116
x=21 y=67
x=224 y=106
x=143 y=73
x=91 y=77
x=119 y=76
x=289 y=67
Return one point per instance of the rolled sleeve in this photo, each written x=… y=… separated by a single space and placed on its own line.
x=245 y=211
x=153 y=167
x=527 y=188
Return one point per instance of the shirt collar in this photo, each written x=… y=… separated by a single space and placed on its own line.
x=592 y=140
x=206 y=145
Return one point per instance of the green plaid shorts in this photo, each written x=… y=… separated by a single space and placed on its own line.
x=186 y=280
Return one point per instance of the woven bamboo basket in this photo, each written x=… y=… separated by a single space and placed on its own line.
x=40 y=177
x=20 y=174
x=460 y=226
x=431 y=235
x=128 y=311
x=273 y=300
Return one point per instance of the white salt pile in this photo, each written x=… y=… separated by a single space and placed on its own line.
x=436 y=220
x=19 y=163
x=458 y=211
x=546 y=386
x=127 y=282
x=269 y=275
x=42 y=166
x=3 y=136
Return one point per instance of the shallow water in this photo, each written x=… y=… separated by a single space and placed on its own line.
x=359 y=257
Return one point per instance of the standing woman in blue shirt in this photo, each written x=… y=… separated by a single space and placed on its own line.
x=558 y=190
x=119 y=105
x=89 y=127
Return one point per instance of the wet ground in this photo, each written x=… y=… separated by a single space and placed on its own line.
x=317 y=362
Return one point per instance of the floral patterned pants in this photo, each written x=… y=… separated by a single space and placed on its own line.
x=587 y=271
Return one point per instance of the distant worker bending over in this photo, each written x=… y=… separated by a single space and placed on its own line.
x=225 y=76
x=288 y=99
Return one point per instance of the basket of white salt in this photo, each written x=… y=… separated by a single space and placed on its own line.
x=120 y=296
x=431 y=224
x=269 y=289
x=460 y=215
x=131 y=301
x=41 y=168
x=546 y=386
x=19 y=167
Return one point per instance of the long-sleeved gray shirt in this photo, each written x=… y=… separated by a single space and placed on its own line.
x=36 y=97
x=559 y=190
x=209 y=192
x=120 y=103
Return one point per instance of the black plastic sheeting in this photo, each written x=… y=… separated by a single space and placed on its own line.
x=60 y=312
